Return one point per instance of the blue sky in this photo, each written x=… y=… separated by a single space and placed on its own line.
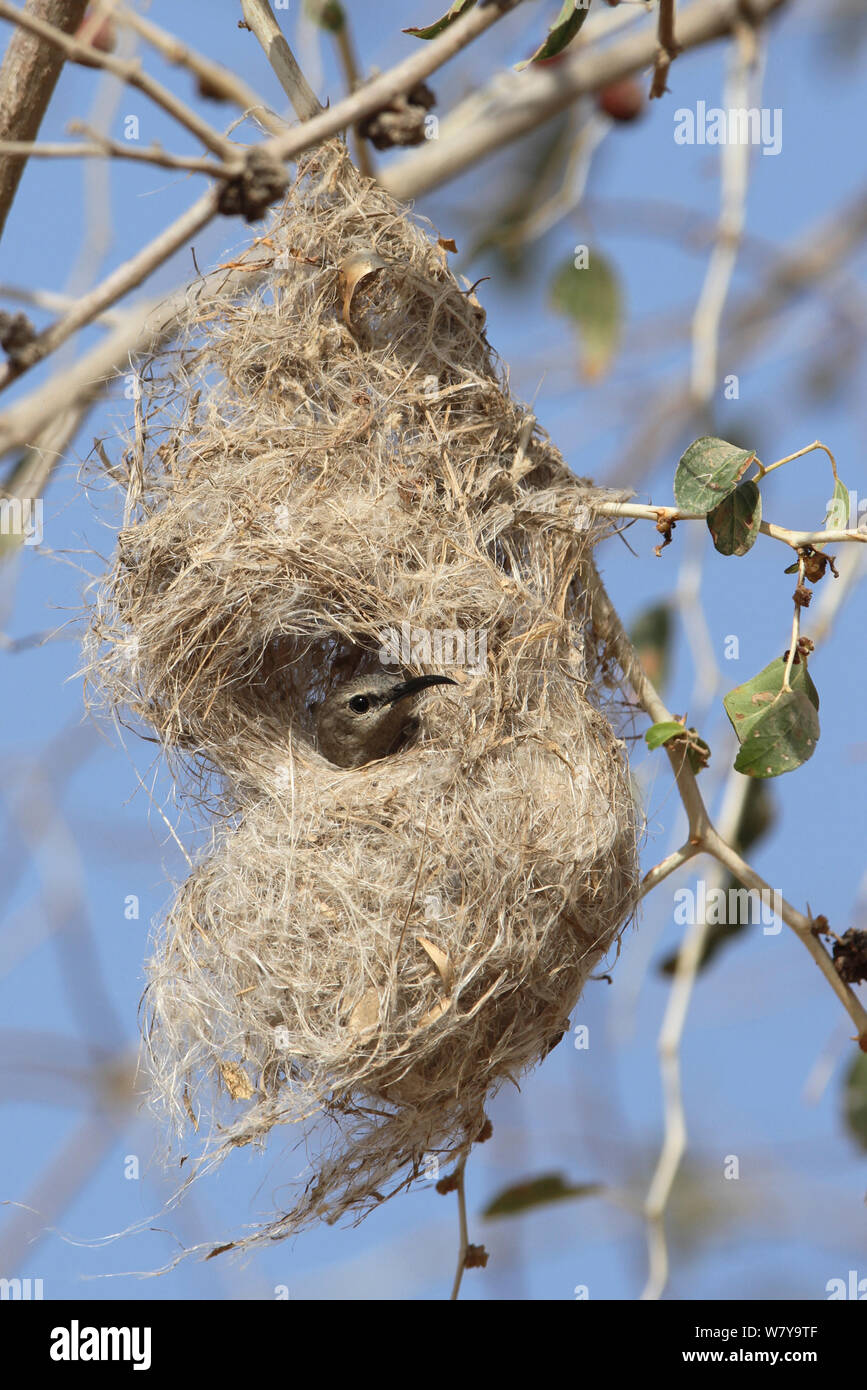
x=765 y=1035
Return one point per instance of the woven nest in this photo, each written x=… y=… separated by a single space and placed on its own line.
x=328 y=457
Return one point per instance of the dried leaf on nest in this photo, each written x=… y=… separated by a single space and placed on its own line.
x=353 y=270
x=440 y=960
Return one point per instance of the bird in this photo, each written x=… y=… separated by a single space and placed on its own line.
x=367 y=718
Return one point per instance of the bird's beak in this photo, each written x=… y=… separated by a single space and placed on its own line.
x=417 y=683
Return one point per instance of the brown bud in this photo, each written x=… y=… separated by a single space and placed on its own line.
x=98 y=31
x=622 y=100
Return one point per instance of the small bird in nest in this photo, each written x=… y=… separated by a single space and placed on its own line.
x=369 y=717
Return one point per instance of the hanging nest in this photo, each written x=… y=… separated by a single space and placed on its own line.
x=328 y=463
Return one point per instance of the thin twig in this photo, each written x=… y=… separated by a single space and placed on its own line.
x=115 y=285
x=56 y=303
x=796 y=539
x=734 y=179
x=798 y=454
x=463 y=1230
x=668 y=48
x=101 y=148
x=796 y=630
x=130 y=72
x=349 y=64
x=689 y=959
x=217 y=81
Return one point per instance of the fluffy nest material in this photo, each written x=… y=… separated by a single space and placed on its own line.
x=325 y=459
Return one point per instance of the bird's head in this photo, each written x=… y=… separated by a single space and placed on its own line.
x=365 y=718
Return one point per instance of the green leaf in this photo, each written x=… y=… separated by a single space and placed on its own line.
x=855 y=1099
x=709 y=470
x=561 y=33
x=734 y=523
x=431 y=30
x=781 y=738
x=837 y=515
x=658 y=734
x=537 y=1192
x=651 y=635
x=778 y=730
x=698 y=751
x=591 y=298
x=746 y=702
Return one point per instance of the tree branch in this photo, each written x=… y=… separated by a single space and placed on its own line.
x=129 y=71
x=520 y=102
x=383 y=89
x=15 y=427
x=218 y=81
x=702 y=834
x=101 y=148
x=796 y=539
x=28 y=77
x=259 y=18
x=668 y=48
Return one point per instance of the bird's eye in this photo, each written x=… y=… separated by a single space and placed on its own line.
x=360 y=704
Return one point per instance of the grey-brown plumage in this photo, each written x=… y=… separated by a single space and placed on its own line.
x=367 y=718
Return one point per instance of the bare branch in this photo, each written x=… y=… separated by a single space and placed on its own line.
x=463 y=1230
x=213 y=79
x=100 y=148
x=130 y=72
x=817 y=255
x=141 y=329
x=51 y=300
x=702 y=834
x=349 y=63
x=668 y=48
x=689 y=959
x=259 y=18
x=734 y=180
x=28 y=77
x=383 y=89
x=24 y=419
x=520 y=102
x=796 y=539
